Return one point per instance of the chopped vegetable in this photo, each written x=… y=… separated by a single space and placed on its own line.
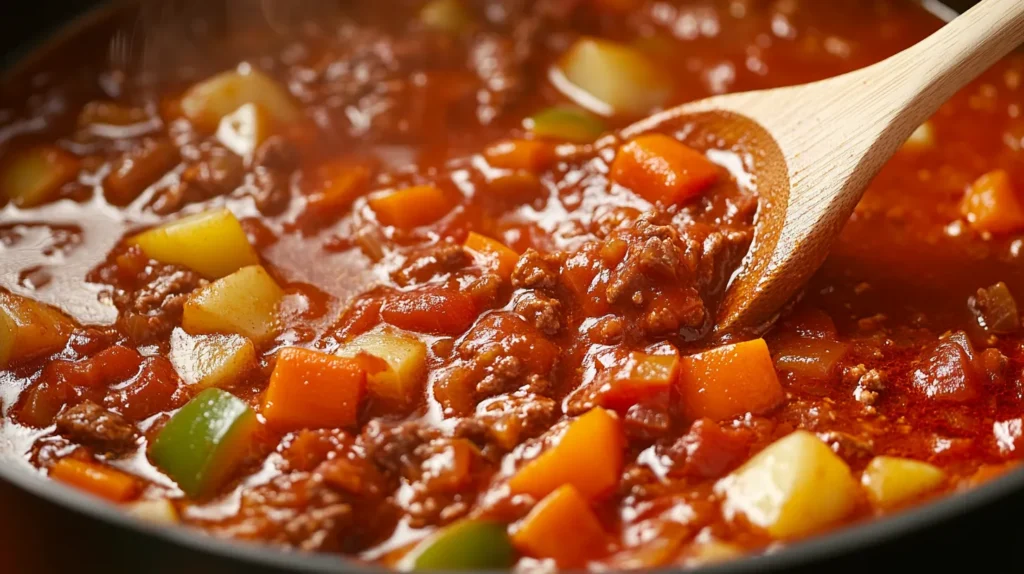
x=991 y=204
x=188 y=242
x=310 y=389
x=138 y=168
x=729 y=381
x=203 y=443
x=642 y=375
x=561 y=527
x=566 y=124
x=206 y=103
x=711 y=552
x=613 y=79
x=572 y=460
x=34 y=176
x=411 y=207
x=110 y=114
x=30 y=329
x=793 y=487
x=809 y=358
x=448 y=16
x=923 y=138
x=996 y=309
x=493 y=253
x=336 y=185
x=662 y=170
x=891 y=481
x=401 y=379
x=160 y=511
x=95 y=478
x=243 y=303
x=211 y=360
x=526 y=155
x=243 y=130
x=947 y=373
x=465 y=545
x=433 y=310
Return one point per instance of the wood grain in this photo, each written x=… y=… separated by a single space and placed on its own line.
x=816 y=147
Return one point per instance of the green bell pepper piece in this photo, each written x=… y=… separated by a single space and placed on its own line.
x=204 y=441
x=465 y=545
x=566 y=124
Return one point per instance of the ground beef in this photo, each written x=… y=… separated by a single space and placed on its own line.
x=535 y=271
x=271 y=191
x=392 y=447
x=655 y=253
x=503 y=353
x=502 y=422
x=211 y=170
x=542 y=311
x=848 y=446
x=90 y=424
x=277 y=154
x=150 y=302
x=435 y=262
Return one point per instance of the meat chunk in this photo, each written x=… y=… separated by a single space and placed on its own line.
x=709 y=451
x=500 y=423
x=90 y=424
x=535 y=271
x=947 y=373
x=432 y=263
x=542 y=311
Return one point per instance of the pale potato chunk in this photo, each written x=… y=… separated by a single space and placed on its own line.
x=611 y=78
x=29 y=329
x=211 y=243
x=33 y=176
x=156 y=511
x=243 y=303
x=211 y=360
x=243 y=130
x=406 y=361
x=207 y=102
x=794 y=487
x=891 y=481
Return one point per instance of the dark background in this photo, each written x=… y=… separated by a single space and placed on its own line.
x=39 y=537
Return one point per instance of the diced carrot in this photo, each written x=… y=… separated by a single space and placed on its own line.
x=438 y=311
x=660 y=169
x=528 y=155
x=493 y=252
x=589 y=457
x=411 y=207
x=336 y=185
x=729 y=381
x=310 y=389
x=562 y=527
x=96 y=479
x=992 y=205
x=643 y=375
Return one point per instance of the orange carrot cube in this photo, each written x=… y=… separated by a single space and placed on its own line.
x=310 y=389
x=729 y=381
x=95 y=478
x=991 y=204
x=493 y=252
x=528 y=155
x=660 y=169
x=562 y=527
x=411 y=207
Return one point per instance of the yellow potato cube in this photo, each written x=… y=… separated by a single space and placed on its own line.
x=243 y=303
x=406 y=364
x=156 y=511
x=211 y=243
x=207 y=102
x=29 y=329
x=31 y=177
x=891 y=481
x=243 y=130
x=211 y=360
x=793 y=487
x=612 y=79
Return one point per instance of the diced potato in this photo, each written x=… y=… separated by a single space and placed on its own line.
x=243 y=130
x=33 y=176
x=207 y=102
x=793 y=487
x=406 y=363
x=212 y=243
x=891 y=481
x=244 y=303
x=613 y=79
x=211 y=360
x=156 y=511
x=29 y=329
x=922 y=138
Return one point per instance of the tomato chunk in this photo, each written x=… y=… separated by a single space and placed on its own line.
x=439 y=311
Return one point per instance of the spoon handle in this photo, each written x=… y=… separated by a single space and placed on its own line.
x=930 y=72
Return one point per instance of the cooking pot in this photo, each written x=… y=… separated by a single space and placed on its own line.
x=45 y=527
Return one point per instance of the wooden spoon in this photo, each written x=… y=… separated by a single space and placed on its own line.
x=814 y=148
